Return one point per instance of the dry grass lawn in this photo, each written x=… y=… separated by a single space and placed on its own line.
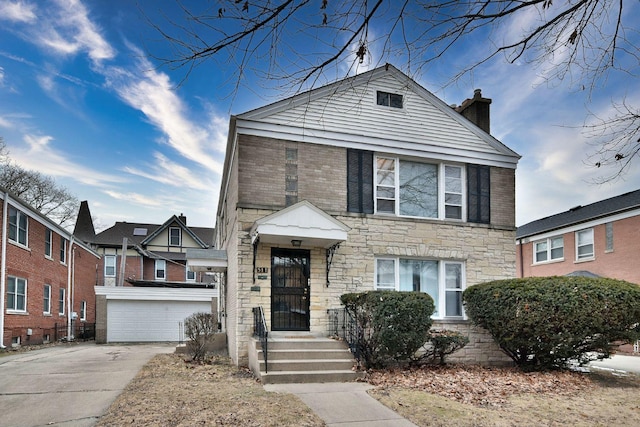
x=171 y=392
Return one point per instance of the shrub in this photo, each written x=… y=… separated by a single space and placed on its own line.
x=548 y=322
x=441 y=343
x=391 y=325
x=200 y=329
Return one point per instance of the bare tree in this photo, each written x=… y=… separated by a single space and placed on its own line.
x=40 y=191
x=298 y=42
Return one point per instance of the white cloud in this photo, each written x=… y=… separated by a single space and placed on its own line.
x=152 y=93
x=171 y=173
x=17 y=11
x=40 y=155
x=5 y=123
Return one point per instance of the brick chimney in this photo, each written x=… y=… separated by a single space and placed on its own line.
x=476 y=109
x=182 y=218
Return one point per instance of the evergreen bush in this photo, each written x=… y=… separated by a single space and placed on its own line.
x=391 y=325
x=550 y=322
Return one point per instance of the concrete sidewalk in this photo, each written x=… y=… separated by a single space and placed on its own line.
x=343 y=404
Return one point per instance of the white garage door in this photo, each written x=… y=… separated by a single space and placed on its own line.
x=138 y=321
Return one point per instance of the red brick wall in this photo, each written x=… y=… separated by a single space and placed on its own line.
x=31 y=264
x=621 y=263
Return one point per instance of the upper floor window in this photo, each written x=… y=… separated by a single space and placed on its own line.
x=442 y=280
x=388 y=99
x=16 y=294
x=584 y=244
x=110 y=266
x=191 y=275
x=426 y=190
x=175 y=236
x=549 y=249
x=48 y=243
x=46 y=307
x=161 y=269
x=63 y=250
x=18 y=225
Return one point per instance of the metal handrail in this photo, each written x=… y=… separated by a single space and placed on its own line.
x=260 y=331
x=343 y=325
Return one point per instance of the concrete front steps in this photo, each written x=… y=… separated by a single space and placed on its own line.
x=302 y=358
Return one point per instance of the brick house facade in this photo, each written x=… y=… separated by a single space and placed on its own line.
x=599 y=239
x=352 y=187
x=46 y=275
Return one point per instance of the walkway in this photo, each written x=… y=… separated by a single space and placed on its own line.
x=344 y=404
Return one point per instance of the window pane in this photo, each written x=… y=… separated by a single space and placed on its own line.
x=541 y=251
x=418 y=189
x=385 y=274
x=453 y=212
x=453 y=303
x=557 y=253
x=388 y=206
x=396 y=100
x=386 y=171
x=453 y=276
x=382 y=98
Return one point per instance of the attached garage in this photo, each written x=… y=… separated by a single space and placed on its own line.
x=130 y=314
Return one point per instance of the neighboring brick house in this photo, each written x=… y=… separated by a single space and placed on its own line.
x=154 y=253
x=599 y=239
x=368 y=183
x=46 y=274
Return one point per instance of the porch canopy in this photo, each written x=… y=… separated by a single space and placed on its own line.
x=302 y=224
x=207 y=260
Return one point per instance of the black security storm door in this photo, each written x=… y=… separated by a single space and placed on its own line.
x=289 y=289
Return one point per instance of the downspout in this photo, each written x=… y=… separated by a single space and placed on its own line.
x=3 y=265
x=69 y=289
x=521 y=258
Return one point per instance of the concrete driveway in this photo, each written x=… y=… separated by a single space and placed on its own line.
x=68 y=385
x=619 y=362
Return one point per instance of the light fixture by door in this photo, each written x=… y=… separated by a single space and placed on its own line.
x=296 y=243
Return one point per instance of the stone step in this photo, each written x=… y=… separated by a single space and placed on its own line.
x=316 y=354
x=288 y=377
x=301 y=343
x=308 y=365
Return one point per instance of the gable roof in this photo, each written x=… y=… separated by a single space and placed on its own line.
x=84 y=229
x=133 y=232
x=174 y=220
x=580 y=214
x=345 y=114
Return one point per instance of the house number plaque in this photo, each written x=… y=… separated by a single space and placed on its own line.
x=262 y=270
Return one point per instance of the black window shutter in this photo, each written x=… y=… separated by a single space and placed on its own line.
x=478 y=194
x=359 y=181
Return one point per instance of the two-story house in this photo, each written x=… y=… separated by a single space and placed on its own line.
x=368 y=183
x=47 y=278
x=598 y=239
x=141 y=254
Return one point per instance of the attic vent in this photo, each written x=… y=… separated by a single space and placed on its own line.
x=389 y=99
x=139 y=231
x=575 y=208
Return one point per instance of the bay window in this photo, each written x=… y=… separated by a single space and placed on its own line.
x=442 y=280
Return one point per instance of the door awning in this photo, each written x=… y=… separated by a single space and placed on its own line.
x=302 y=224
x=207 y=260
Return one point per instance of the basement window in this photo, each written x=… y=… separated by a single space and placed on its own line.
x=388 y=99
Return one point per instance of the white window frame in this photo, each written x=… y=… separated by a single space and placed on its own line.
x=107 y=265
x=61 y=302
x=83 y=311
x=46 y=300
x=63 y=250
x=548 y=250
x=441 y=303
x=189 y=272
x=48 y=243
x=388 y=95
x=171 y=236
x=588 y=256
x=13 y=296
x=163 y=263
x=16 y=227
x=443 y=190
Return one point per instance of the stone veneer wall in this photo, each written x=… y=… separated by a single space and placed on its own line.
x=488 y=254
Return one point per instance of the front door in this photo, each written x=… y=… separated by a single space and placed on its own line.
x=289 y=289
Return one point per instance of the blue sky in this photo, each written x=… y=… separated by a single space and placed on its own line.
x=81 y=100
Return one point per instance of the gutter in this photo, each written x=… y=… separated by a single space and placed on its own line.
x=3 y=266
